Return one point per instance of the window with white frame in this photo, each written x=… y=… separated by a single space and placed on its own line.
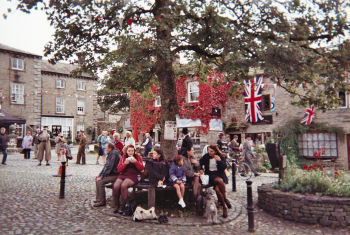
x=80 y=106
x=17 y=64
x=157 y=102
x=80 y=127
x=318 y=144
x=193 y=91
x=17 y=93
x=81 y=85
x=59 y=105
x=60 y=83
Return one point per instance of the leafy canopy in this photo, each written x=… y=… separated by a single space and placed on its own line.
x=295 y=42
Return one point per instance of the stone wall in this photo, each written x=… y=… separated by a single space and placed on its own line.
x=30 y=77
x=311 y=209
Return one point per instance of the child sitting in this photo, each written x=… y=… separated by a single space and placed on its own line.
x=178 y=178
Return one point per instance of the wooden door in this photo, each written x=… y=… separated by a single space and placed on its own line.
x=348 y=142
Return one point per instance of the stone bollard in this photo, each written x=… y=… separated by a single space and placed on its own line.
x=250 y=206
x=63 y=180
x=234 y=176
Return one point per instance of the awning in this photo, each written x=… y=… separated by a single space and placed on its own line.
x=7 y=119
x=180 y=123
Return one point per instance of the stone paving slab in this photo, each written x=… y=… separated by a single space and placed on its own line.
x=30 y=205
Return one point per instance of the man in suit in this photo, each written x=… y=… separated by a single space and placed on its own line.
x=248 y=155
x=186 y=141
x=108 y=174
x=44 y=146
x=81 y=150
x=36 y=142
x=234 y=145
x=3 y=144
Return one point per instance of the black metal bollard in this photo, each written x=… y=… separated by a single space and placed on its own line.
x=63 y=180
x=233 y=176
x=250 y=206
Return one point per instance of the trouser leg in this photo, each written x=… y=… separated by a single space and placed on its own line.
x=41 y=151
x=47 y=152
x=78 y=156
x=4 y=155
x=250 y=164
x=36 y=149
x=83 y=161
x=100 y=187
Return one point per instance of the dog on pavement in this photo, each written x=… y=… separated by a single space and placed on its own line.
x=211 y=211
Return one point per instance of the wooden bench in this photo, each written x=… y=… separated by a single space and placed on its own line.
x=151 y=190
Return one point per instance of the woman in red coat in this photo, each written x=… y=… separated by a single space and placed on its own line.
x=129 y=167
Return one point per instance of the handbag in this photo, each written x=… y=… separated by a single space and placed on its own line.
x=22 y=151
x=204 y=179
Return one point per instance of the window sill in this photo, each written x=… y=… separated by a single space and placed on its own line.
x=60 y=87
x=18 y=69
x=17 y=103
x=81 y=114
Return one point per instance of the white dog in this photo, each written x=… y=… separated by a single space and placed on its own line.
x=142 y=214
x=211 y=211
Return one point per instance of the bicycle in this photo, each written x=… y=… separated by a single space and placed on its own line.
x=242 y=168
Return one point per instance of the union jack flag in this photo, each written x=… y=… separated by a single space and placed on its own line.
x=252 y=99
x=309 y=116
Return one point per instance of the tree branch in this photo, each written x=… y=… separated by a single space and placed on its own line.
x=196 y=49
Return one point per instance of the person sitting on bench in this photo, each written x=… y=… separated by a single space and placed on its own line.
x=129 y=167
x=157 y=169
x=178 y=178
x=192 y=175
x=108 y=174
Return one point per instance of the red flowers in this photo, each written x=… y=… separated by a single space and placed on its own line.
x=310 y=167
x=144 y=115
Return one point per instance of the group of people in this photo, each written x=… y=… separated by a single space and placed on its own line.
x=125 y=168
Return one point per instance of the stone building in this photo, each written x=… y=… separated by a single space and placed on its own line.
x=336 y=146
x=20 y=79
x=68 y=103
x=47 y=95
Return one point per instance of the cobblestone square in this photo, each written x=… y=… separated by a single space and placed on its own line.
x=30 y=205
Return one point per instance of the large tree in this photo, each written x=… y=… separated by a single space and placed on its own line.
x=294 y=42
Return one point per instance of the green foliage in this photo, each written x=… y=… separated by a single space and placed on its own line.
x=287 y=137
x=314 y=182
x=294 y=42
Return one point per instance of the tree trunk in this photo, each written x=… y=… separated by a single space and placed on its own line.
x=166 y=76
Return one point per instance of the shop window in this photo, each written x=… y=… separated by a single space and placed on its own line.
x=318 y=144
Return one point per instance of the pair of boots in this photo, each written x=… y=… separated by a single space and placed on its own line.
x=224 y=202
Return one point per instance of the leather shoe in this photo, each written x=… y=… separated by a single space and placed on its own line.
x=228 y=204
x=257 y=174
x=99 y=204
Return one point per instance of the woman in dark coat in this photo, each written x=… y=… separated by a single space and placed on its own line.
x=214 y=164
x=157 y=168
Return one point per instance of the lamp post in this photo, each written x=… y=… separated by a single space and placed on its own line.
x=250 y=206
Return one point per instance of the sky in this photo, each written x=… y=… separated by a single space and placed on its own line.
x=28 y=32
